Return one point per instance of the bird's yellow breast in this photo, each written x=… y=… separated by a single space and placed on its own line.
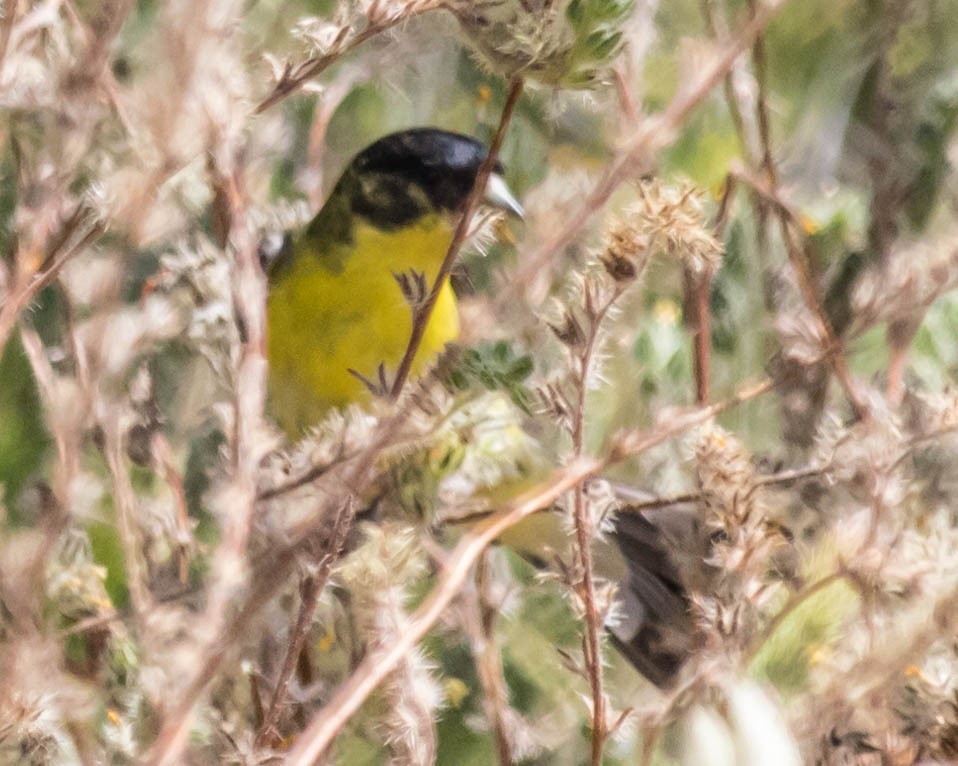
x=343 y=310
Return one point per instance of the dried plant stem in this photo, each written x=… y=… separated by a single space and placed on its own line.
x=11 y=12
x=635 y=158
x=67 y=440
x=789 y=222
x=700 y=288
x=761 y=111
x=27 y=284
x=782 y=477
x=653 y=731
x=797 y=254
x=165 y=460
x=310 y=591
x=489 y=662
x=584 y=530
x=295 y=77
x=423 y=312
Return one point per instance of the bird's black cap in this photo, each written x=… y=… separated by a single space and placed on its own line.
x=404 y=174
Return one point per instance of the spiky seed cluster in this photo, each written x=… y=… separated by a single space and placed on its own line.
x=672 y=217
x=569 y=43
x=742 y=541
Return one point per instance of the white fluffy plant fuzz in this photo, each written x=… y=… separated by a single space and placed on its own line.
x=378 y=576
x=915 y=275
x=743 y=542
x=671 y=218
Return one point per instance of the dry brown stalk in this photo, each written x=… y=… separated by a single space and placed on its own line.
x=584 y=531
x=310 y=590
x=422 y=312
x=482 y=619
x=27 y=284
x=295 y=77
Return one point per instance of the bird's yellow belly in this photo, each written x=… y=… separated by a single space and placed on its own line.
x=325 y=322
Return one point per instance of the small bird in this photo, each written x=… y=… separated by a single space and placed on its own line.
x=337 y=311
x=336 y=308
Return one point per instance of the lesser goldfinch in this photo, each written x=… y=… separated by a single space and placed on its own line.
x=337 y=312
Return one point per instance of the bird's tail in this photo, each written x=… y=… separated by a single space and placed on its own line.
x=652 y=626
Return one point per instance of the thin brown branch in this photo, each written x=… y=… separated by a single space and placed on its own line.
x=781 y=477
x=423 y=312
x=27 y=286
x=310 y=591
x=700 y=287
x=797 y=254
x=165 y=461
x=584 y=531
x=790 y=225
x=295 y=77
x=307 y=477
x=91 y=623
x=489 y=662
x=761 y=111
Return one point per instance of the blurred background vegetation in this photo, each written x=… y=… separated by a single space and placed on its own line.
x=116 y=375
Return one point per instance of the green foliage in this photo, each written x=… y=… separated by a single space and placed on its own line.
x=597 y=29
x=23 y=436
x=806 y=637
x=494 y=366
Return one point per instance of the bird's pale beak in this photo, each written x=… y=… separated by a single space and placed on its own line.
x=499 y=195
